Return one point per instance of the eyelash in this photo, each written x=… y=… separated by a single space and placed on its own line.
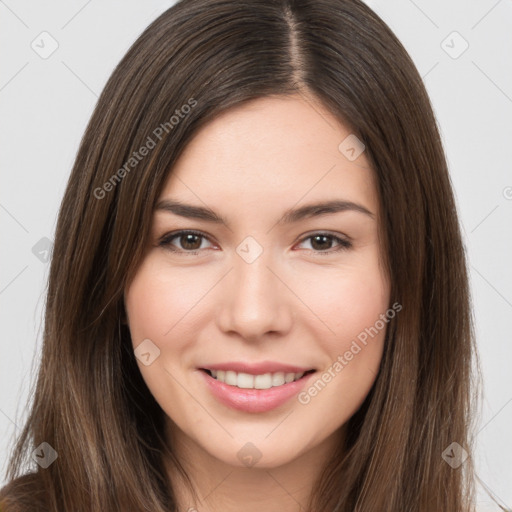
x=166 y=240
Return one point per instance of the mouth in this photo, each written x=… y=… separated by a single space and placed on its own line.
x=255 y=392
x=262 y=381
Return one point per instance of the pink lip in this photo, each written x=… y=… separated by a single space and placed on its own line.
x=253 y=400
x=257 y=368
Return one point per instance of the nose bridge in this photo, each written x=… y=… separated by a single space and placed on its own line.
x=255 y=300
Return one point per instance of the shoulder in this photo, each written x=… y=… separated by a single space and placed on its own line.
x=23 y=494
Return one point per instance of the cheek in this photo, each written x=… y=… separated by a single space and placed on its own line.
x=159 y=302
x=362 y=300
x=348 y=300
x=160 y=307
x=353 y=303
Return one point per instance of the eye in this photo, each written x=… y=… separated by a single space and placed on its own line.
x=190 y=241
x=321 y=242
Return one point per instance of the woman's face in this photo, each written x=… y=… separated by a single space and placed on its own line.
x=274 y=289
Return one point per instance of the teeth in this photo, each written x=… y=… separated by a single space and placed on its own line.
x=278 y=379
x=248 y=381
x=230 y=378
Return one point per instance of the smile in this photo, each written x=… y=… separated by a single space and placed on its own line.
x=254 y=393
x=262 y=381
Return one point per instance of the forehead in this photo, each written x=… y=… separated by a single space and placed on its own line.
x=268 y=152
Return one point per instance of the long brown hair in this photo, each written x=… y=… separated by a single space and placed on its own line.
x=196 y=60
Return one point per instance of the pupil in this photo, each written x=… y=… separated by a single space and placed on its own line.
x=324 y=239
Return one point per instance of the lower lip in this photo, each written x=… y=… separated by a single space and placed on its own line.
x=254 y=400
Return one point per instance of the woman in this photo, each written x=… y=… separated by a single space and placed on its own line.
x=258 y=295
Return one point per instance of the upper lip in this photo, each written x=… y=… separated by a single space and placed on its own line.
x=257 y=368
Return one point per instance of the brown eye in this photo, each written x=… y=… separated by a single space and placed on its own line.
x=190 y=241
x=322 y=242
x=183 y=241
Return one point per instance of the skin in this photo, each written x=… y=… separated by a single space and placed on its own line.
x=299 y=302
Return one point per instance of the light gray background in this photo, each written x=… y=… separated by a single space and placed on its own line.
x=46 y=103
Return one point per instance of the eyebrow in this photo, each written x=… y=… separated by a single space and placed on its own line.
x=290 y=216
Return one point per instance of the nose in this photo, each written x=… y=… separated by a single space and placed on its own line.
x=255 y=300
